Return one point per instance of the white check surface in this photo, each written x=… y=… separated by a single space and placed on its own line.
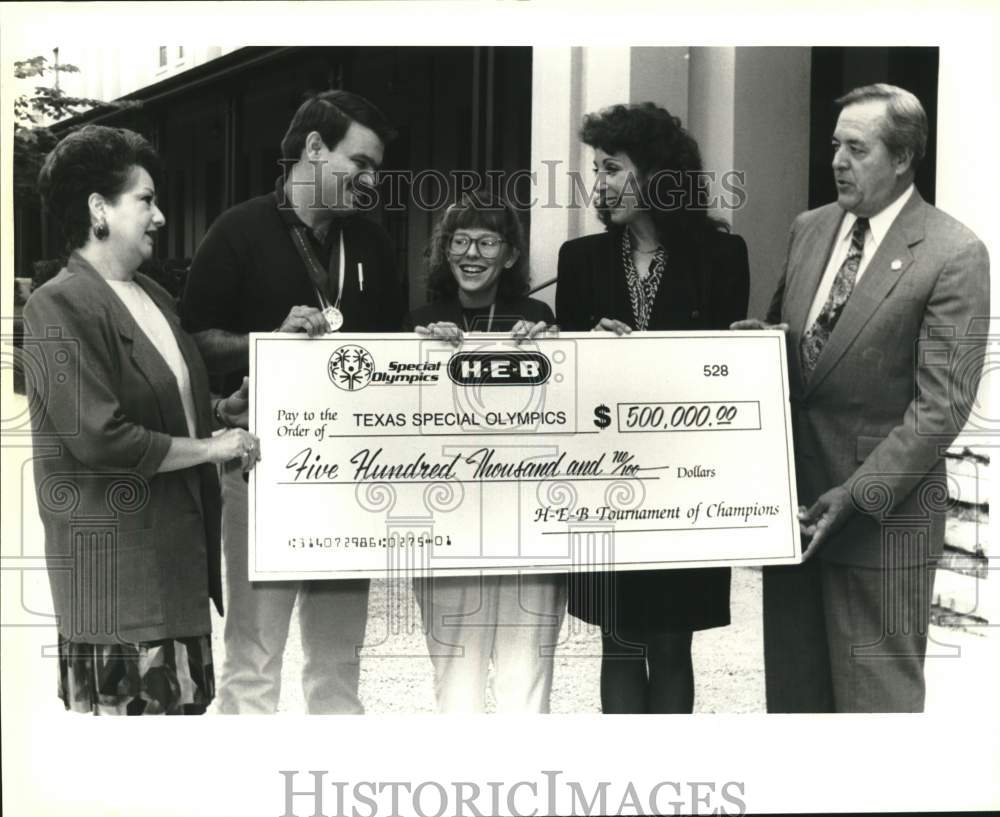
x=659 y=449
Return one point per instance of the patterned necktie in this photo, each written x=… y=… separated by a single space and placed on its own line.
x=819 y=333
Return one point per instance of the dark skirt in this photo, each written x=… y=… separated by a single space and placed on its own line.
x=169 y=677
x=652 y=601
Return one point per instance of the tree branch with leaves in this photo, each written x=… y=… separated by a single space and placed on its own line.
x=34 y=115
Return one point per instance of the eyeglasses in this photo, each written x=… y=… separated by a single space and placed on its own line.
x=487 y=246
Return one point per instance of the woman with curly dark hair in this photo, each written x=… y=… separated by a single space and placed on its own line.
x=122 y=425
x=662 y=264
x=477 y=280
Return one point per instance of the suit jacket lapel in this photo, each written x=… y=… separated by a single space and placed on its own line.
x=612 y=273
x=198 y=378
x=890 y=262
x=686 y=277
x=192 y=359
x=202 y=481
x=144 y=355
x=802 y=286
x=150 y=362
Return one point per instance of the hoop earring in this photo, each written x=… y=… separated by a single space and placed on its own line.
x=101 y=231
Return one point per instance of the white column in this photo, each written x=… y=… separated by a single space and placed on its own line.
x=606 y=75
x=711 y=111
x=771 y=144
x=566 y=84
x=749 y=111
x=552 y=137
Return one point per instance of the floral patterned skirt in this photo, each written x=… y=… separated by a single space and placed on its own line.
x=169 y=677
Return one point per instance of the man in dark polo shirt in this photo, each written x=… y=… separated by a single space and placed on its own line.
x=298 y=259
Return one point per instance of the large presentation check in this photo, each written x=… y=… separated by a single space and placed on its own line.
x=389 y=454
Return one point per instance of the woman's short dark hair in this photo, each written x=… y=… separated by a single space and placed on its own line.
x=668 y=160
x=484 y=211
x=94 y=159
x=330 y=114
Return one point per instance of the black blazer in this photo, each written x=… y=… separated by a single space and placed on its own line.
x=703 y=288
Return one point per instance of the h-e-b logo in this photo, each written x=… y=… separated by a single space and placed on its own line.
x=499 y=368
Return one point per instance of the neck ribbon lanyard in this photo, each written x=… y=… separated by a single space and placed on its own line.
x=313 y=267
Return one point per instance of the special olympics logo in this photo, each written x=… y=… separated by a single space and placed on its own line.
x=351 y=367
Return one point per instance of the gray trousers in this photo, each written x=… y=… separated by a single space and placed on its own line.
x=332 y=619
x=845 y=639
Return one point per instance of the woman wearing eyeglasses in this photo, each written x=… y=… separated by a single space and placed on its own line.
x=477 y=276
x=477 y=282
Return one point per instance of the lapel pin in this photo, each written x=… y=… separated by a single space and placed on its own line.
x=897 y=264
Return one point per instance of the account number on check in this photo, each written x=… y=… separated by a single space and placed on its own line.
x=348 y=542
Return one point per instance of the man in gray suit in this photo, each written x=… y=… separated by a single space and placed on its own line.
x=879 y=298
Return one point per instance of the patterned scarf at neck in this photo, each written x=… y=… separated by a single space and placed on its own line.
x=642 y=289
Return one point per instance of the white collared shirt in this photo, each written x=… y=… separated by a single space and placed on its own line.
x=878 y=226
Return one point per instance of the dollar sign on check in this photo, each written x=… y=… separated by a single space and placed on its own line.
x=602 y=416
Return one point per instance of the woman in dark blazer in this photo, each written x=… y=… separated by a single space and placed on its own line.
x=124 y=456
x=662 y=264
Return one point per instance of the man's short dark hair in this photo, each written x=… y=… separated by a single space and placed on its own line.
x=905 y=128
x=330 y=114
x=94 y=159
